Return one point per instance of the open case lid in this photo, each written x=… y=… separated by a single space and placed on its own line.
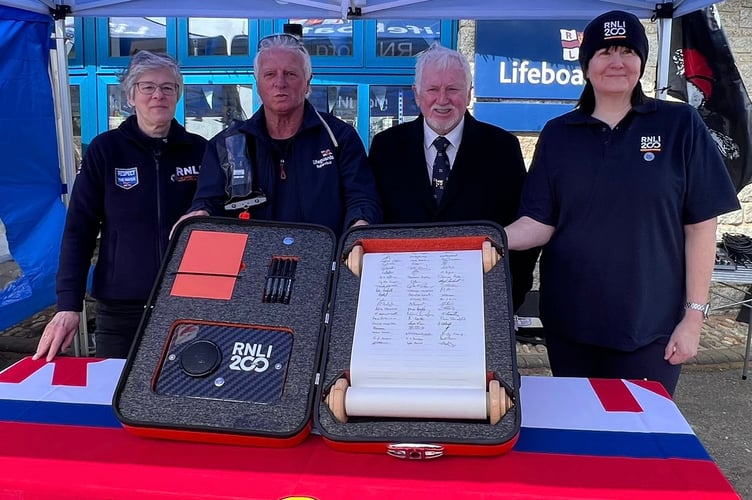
x=228 y=347
x=456 y=436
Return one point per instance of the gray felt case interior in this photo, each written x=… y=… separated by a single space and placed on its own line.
x=138 y=405
x=500 y=349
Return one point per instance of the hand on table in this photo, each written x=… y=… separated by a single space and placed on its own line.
x=58 y=334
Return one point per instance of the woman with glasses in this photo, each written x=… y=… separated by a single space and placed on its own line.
x=308 y=166
x=134 y=183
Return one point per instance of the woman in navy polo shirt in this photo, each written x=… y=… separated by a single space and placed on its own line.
x=623 y=192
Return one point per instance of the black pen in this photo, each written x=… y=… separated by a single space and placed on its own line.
x=290 y=274
x=285 y=281
x=268 y=286
x=279 y=280
x=274 y=279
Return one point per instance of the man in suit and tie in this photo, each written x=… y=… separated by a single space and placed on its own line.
x=446 y=165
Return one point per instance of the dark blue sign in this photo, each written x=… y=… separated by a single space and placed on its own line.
x=519 y=116
x=528 y=59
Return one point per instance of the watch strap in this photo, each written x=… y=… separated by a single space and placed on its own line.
x=703 y=308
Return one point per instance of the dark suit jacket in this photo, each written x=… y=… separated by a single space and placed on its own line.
x=485 y=183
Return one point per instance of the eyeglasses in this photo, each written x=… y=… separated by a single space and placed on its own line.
x=148 y=88
x=280 y=40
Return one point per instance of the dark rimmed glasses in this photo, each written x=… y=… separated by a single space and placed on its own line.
x=167 y=89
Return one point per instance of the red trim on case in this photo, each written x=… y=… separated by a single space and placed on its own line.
x=217 y=438
x=382 y=245
x=452 y=449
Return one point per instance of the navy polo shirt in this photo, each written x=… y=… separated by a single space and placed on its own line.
x=613 y=272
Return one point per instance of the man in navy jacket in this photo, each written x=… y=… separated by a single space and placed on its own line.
x=309 y=166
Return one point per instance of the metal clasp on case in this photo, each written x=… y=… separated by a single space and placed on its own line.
x=415 y=451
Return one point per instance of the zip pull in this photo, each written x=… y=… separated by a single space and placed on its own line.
x=282 y=173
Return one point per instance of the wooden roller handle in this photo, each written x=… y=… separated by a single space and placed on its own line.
x=490 y=255
x=499 y=401
x=336 y=399
x=354 y=261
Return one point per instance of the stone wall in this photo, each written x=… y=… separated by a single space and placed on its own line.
x=736 y=19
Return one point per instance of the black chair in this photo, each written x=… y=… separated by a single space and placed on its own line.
x=239 y=45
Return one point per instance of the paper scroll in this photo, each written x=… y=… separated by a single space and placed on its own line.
x=419 y=344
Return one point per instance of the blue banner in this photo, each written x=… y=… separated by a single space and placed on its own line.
x=30 y=186
x=528 y=59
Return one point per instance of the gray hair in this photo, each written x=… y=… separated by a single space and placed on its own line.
x=143 y=61
x=285 y=41
x=441 y=58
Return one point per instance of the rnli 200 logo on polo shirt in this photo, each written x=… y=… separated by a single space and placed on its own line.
x=649 y=146
x=126 y=178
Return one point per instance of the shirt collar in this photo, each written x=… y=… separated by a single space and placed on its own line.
x=577 y=117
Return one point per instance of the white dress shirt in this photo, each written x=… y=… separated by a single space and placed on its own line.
x=454 y=137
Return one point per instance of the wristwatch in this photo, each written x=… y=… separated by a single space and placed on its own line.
x=704 y=308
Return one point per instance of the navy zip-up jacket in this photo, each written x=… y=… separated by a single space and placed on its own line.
x=132 y=188
x=305 y=179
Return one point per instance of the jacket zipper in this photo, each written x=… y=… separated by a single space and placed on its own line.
x=157 y=153
x=282 y=172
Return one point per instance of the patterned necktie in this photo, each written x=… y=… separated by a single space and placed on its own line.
x=440 y=167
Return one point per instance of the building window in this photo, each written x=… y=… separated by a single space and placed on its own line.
x=210 y=108
x=118 y=108
x=128 y=35
x=75 y=97
x=339 y=100
x=217 y=37
x=390 y=105
x=405 y=37
x=327 y=37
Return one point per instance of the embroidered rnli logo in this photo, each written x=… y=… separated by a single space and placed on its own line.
x=126 y=178
x=185 y=174
x=327 y=158
x=614 y=30
x=649 y=146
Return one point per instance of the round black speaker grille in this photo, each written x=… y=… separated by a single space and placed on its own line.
x=200 y=358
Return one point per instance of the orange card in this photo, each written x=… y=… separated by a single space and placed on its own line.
x=210 y=265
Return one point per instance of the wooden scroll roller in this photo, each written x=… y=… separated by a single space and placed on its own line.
x=498 y=402
x=354 y=261
x=489 y=254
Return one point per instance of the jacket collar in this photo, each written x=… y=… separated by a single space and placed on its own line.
x=177 y=133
